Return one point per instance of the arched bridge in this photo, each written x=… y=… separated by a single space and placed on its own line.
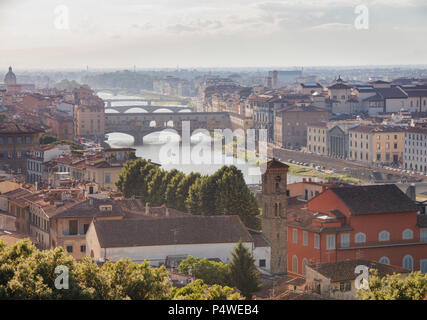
x=149 y=109
x=139 y=125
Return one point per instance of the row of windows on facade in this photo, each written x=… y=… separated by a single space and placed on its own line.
x=70 y=248
x=413 y=158
x=387 y=145
x=415 y=167
x=35 y=166
x=107 y=177
x=39 y=222
x=13 y=155
x=417 y=144
x=318 y=130
x=417 y=104
x=378 y=157
x=415 y=151
x=314 y=139
x=73 y=228
x=17 y=140
x=378 y=136
x=342 y=97
x=316 y=149
x=360 y=237
x=32 y=178
x=414 y=136
x=12 y=168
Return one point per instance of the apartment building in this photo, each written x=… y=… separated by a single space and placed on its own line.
x=68 y=227
x=415 y=149
x=43 y=206
x=16 y=141
x=89 y=115
x=378 y=223
x=291 y=124
x=39 y=156
x=105 y=170
x=317 y=138
x=376 y=144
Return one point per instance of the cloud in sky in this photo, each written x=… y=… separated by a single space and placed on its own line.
x=164 y=33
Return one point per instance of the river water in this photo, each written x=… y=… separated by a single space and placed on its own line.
x=155 y=144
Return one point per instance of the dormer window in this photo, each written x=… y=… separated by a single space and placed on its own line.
x=106 y=208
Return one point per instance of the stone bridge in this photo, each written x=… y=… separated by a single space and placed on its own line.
x=149 y=108
x=139 y=125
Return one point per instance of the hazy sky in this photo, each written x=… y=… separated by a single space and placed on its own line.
x=211 y=33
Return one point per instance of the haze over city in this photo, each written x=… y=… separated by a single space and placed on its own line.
x=217 y=33
x=213 y=150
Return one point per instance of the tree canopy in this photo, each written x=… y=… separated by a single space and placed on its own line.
x=241 y=273
x=29 y=273
x=395 y=287
x=244 y=275
x=211 y=272
x=222 y=193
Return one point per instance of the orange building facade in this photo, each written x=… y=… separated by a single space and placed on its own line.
x=378 y=223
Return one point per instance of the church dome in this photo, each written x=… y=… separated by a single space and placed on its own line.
x=10 y=77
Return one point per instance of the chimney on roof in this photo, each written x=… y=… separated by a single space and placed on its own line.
x=147 y=208
x=411 y=192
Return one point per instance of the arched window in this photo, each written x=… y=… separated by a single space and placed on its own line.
x=385 y=260
x=408 y=262
x=304 y=264
x=295 y=264
x=407 y=234
x=360 y=237
x=384 y=236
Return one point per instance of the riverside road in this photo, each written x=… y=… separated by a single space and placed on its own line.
x=355 y=169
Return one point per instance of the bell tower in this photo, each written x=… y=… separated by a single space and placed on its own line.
x=274 y=213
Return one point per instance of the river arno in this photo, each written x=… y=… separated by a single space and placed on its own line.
x=156 y=142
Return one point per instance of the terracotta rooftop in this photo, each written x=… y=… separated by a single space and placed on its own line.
x=170 y=231
x=374 y=199
x=12 y=237
x=275 y=164
x=378 y=128
x=344 y=270
x=14 y=127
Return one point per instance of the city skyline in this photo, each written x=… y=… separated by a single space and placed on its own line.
x=211 y=34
